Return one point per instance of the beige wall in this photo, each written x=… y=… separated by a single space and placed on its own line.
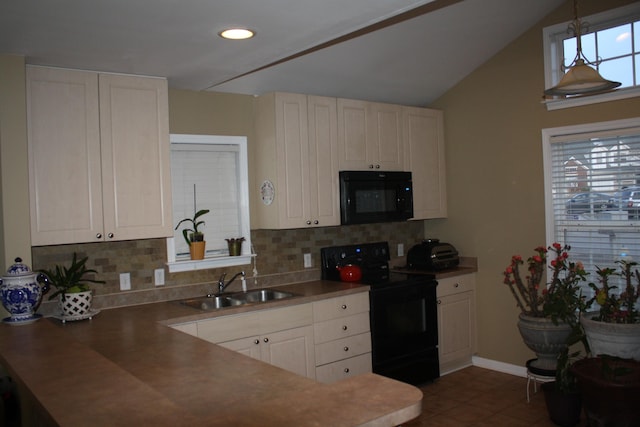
x=493 y=123
x=14 y=228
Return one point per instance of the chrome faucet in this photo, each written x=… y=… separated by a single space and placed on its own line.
x=222 y=285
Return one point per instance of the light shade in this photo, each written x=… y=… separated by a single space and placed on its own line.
x=581 y=79
x=236 y=34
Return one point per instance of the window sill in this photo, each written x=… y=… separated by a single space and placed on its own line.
x=208 y=263
x=558 y=104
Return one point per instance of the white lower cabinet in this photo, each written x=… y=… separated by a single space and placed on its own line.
x=282 y=337
x=456 y=322
x=342 y=337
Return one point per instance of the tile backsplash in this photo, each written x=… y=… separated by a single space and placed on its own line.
x=279 y=260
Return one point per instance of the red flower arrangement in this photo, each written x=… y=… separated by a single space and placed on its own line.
x=560 y=298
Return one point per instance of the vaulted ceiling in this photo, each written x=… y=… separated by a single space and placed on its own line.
x=400 y=51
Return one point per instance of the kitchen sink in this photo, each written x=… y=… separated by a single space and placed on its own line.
x=260 y=295
x=210 y=303
x=236 y=299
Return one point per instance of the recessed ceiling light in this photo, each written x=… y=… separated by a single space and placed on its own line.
x=236 y=34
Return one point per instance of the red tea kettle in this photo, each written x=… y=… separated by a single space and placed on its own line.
x=350 y=273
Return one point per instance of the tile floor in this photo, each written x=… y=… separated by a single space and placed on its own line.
x=478 y=397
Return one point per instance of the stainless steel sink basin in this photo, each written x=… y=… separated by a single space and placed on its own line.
x=260 y=295
x=211 y=303
x=236 y=299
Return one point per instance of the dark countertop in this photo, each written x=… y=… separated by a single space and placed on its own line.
x=126 y=367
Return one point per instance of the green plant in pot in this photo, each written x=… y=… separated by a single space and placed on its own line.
x=614 y=329
x=194 y=237
x=548 y=312
x=72 y=286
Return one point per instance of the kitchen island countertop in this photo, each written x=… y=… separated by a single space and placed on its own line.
x=127 y=367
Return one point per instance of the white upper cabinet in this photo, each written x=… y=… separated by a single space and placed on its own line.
x=369 y=136
x=425 y=159
x=297 y=161
x=98 y=156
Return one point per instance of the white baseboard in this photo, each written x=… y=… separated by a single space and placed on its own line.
x=494 y=365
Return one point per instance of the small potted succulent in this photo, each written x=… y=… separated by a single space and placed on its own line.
x=72 y=286
x=193 y=237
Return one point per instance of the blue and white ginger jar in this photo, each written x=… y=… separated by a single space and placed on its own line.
x=21 y=293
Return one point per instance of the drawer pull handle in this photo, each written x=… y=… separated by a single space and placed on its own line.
x=346 y=348
x=344 y=327
x=257 y=341
x=346 y=370
x=344 y=306
x=266 y=340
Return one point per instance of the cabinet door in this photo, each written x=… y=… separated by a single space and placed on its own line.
x=249 y=346
x=456 y=322
x=424 y=157
x=136 y=179
x=324 y=191
x=292 y=350
x=352 y=135
x=384 y=137
x=64 y=156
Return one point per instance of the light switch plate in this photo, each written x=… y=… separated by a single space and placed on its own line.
x=307 y=260
x=158 y=276
x=125 y=281
x=400 y=249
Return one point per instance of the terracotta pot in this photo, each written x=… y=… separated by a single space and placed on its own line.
x=196 y=249
x=350 y=273
x=608 y=399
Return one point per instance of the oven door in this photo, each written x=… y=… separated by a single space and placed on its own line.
x=404 y=331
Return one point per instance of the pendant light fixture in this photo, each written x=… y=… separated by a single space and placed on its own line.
x=582 y=78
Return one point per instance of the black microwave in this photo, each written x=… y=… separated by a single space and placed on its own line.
x=368 y=197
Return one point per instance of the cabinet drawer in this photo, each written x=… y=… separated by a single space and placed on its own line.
x=280 y=319
x=455 y=285
x=343 y=348
x=343 y=369
x=340 y=328
x=340 y=306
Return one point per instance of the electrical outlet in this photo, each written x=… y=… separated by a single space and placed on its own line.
x=125 y=281
x=307 y=260
x=400 y=249
x=158 y=276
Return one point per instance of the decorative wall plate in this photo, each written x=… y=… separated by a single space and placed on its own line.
x=267 y=192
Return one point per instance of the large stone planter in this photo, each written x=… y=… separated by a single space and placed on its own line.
x=545 y=338
x=614 y=339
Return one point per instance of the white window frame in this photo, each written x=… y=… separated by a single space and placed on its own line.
x=553 y=56
x=585 y=129
x=179 y=265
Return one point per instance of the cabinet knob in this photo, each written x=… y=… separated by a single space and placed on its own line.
x=110 y=235
x=377 y=166
x=456 y=285
x=370 y=166
x=256 y=341
x=346 y=348
x=266 y=340
x=344 y=306
x=316 y=222
x=346 y=370
x=99 y=236
x=308 y=222
x=344 y=327
x=439 y=301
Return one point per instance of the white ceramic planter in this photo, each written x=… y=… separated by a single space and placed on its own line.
x=614 y=339
x=75 y=304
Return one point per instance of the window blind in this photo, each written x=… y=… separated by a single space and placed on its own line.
x=206 y=177
x=594 y=206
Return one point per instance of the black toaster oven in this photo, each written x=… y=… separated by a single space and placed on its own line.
x=431 y=254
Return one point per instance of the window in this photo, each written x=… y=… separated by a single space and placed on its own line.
x=210 y=172
x=592 y=184
x=612 y=37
